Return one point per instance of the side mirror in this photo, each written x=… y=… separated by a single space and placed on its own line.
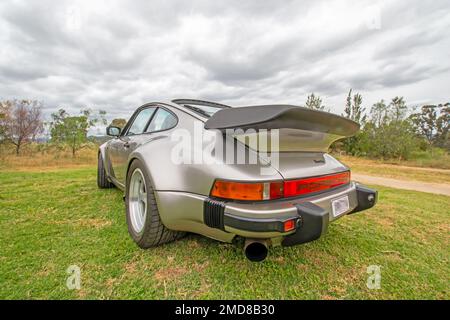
x=113 y=131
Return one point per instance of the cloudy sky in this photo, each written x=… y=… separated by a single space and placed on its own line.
x=117 y=55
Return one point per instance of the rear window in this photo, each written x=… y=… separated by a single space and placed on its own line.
x=163 y=120
x=206 y=111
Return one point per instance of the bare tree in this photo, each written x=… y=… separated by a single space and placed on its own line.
x=20 y=122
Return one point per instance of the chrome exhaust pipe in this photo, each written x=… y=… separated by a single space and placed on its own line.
x=256 y=250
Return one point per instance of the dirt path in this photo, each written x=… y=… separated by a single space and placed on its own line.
x=436 y=188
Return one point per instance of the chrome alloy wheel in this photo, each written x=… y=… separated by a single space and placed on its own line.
x=137 y=201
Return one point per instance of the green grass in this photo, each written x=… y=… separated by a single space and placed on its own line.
x=51 y=220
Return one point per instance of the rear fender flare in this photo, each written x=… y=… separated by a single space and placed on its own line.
x=138 y=156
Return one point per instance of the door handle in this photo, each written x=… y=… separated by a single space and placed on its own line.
x=126 y=145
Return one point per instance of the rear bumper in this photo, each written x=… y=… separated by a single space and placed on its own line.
x=264 y=220
x=311 y=216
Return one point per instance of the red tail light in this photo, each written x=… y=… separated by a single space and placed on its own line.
x=299 y=187
x=279 y=189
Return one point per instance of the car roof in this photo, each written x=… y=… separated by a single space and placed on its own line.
x=200 y=103
x=193 y=107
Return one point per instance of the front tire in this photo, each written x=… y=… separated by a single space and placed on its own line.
x=144 y=223
x=102 y=179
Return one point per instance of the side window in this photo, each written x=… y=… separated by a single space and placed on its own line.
x=163 y=120
x=140 y=122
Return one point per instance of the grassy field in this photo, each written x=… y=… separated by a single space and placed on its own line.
x=397 y=171
x=53 y=219
x=436 y=158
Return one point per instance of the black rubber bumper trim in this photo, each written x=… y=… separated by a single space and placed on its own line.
x=367 y=198
x=258 y=225
x=314 y=224
x=213 y=213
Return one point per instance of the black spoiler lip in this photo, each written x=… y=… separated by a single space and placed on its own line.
x=282 y=116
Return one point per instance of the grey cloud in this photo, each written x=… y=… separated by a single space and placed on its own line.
x=117 y=55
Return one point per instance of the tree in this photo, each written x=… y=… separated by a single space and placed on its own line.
x=72 y=130
x=315 y=102
x=353 y=108
x=5 y=110
x=20 y=121
x=443 y=126
x=432 y=123
x=425 y=123
x=398 y=108
x=379 y=113
x=387 y=134
x=119 y=123
x=392 y=139
x=354 y=111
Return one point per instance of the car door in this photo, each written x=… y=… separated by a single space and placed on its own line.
x=133 y=135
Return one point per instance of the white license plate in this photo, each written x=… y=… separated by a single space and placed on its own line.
x=340 y=206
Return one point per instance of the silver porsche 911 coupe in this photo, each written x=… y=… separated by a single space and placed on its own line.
x=259 y=173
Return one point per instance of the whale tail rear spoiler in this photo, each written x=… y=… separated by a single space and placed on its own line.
x=299 y=129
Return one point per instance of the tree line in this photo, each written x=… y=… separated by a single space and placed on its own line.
x=21 y=123
x=388 y=129
x=391 y=130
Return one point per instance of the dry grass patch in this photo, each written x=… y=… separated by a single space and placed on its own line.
x=396 y=171
x=48 y=160
x=95 y=223
x=170 y=274
x=47 y=269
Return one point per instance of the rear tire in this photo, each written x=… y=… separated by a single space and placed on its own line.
x=144 y=223
x=102 y=179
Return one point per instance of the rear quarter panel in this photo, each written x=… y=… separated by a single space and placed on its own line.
x=167 y=174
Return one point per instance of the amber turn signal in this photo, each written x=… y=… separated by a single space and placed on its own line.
x=247 y=191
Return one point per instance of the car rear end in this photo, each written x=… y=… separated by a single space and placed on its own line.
x=285 y=212
x=310 y=189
